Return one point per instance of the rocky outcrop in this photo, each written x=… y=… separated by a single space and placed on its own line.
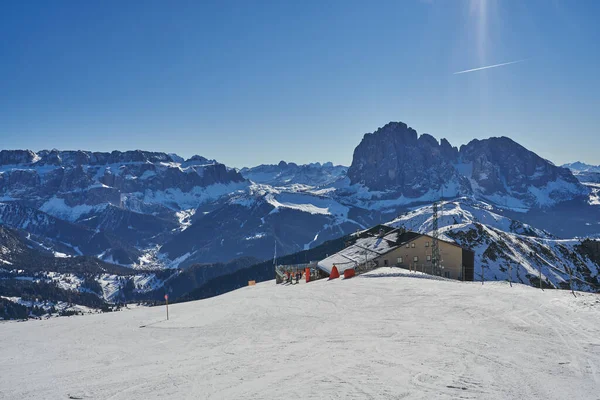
x=500 y=165
x=13 y=157
x=395 y=159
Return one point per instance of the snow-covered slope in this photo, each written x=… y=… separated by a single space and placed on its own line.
x=254 y=222
x=382 y=336
x=463 y=211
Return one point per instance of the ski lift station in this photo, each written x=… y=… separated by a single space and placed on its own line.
x=382 y=246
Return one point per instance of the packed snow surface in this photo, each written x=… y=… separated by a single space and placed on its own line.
x=385 y=335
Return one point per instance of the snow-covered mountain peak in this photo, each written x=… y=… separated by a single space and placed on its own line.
x=460 y=212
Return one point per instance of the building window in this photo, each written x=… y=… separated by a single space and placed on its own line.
x=412 y=245
x=428 y=258
x=416 y=259
x=426 y=244
x=399 y=260
x=407 y=245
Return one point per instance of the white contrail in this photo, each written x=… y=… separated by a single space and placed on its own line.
x=489 y=66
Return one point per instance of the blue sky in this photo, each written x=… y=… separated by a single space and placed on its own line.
x=250 y=82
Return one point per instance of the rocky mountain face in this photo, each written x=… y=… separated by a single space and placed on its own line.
x=502 y=168
x=82 y=178
x=132 y=197
x=395 y=159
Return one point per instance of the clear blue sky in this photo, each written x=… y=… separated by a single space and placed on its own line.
x=250 y=82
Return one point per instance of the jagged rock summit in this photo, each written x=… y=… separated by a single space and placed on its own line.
x=396 y=159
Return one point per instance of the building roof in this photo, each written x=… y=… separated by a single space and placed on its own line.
x=363 y=249
x=375 y=230
x=369 y=248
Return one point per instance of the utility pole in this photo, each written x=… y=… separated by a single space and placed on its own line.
x=510 y=274
x=275 y=258
x=482 y=273
x=571 y=280
x=435 y=250
x=167 y=303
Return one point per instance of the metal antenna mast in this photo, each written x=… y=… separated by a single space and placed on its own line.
x=435 y=248
x=439 y=255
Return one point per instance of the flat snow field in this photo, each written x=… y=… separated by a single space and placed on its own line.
x=387 y=335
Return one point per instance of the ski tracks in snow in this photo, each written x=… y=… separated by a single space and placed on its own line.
x=388 y=337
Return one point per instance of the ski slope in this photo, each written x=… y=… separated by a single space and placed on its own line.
x=385 y=335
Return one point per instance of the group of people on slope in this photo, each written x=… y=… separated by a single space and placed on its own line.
x=290 y=276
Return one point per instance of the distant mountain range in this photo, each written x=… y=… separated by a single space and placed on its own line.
x=585 y=172
x=285 y=174
x=151 y=211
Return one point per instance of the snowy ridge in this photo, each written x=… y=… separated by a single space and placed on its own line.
x=463 y=211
